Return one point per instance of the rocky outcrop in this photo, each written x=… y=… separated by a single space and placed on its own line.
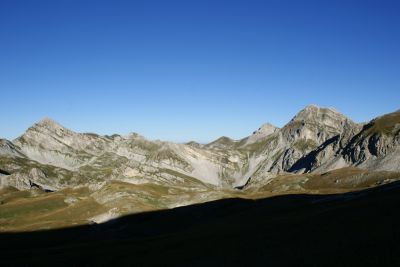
x=33 y=179
x=263 y=132
x=376 y=145
x=373 y=146
x=7 y=148
x=307 y=131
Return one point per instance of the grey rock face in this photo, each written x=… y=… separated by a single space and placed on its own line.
x=373 y=146
x=377 y=144
x=309 y=129
x=24 y=181
x=264 y=131
x=315 y=140
x=7 y=148
x=317 y=124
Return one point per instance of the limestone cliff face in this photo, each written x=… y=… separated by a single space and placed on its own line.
x=317 y=124
x=315 y=140
x=111 y=157
x=309 y=129
x=7 y=148
x=377 y=144
x=373 y=146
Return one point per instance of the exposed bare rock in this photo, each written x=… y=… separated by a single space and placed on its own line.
x=7 y=148
x=264 y=131
x=377 y=145
x=315 y=140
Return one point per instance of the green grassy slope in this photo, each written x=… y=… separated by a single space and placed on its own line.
x=353 y=229
x=35 y=209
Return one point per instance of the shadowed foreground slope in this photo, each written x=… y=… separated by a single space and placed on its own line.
x=358 y=229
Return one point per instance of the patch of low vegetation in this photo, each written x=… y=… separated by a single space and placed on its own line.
x=170 y=155
x=388 y=124
x=94 y=135
x=188 y=180
x=222 y=142
x=305 y=144
x=258 y=147
x=31 y=210
x=10 y=194
x=144 y=145
x=337 y=181
x=25 y=208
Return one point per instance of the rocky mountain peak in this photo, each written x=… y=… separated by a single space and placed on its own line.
x=315 y=113
x=44 y=136
x=133 y=135
x=222 y=143
x=193 y=144
x=321 y=119
x=48 y=126
x=262 y=132
x=316 y=125
x=266 y=129
x=48 y=123
x=45 y=128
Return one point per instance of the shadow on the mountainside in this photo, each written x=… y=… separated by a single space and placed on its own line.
x=4 y=172
x=303 y=230
x=306 y=162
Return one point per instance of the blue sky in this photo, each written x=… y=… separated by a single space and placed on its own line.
x=183 y=70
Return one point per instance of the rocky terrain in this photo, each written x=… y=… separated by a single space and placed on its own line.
x=52 y=176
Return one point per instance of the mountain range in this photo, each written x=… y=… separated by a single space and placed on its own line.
x=52 y=176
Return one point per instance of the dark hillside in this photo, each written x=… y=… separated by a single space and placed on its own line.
x=353 y=229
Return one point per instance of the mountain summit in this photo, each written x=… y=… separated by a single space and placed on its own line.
x=315 y=113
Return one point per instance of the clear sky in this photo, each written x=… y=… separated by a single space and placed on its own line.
x=183 y=70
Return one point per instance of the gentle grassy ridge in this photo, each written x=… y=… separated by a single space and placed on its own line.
x=387 y=124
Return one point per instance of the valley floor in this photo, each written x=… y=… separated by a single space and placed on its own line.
x=351 y=229
x=34 y=209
